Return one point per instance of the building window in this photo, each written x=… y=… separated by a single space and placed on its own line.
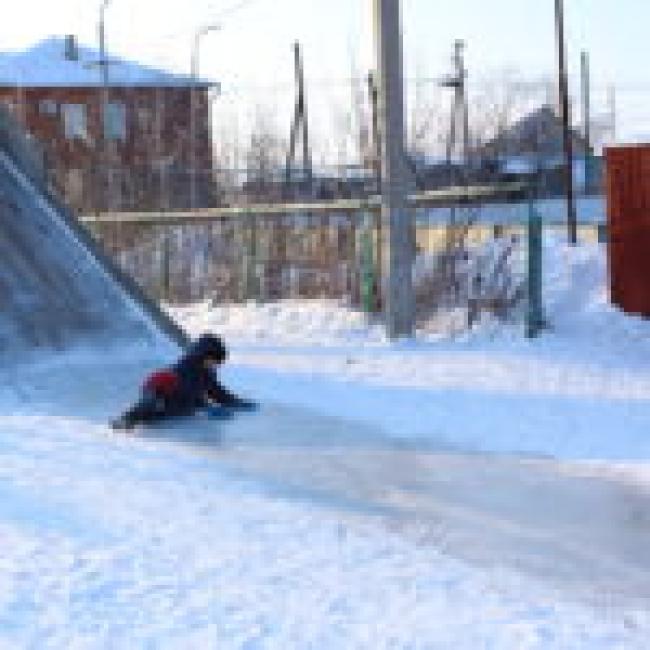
x=74 y=121
x=115 y=121
x=47 y=107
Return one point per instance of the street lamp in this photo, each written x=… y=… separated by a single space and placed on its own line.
x=103 y=101
x=102 y=41
x=194 y=71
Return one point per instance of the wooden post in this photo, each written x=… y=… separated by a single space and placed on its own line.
x=375 y=145
x=300 y=121
x=572 y=225
x=399 y=306
x=586 y=119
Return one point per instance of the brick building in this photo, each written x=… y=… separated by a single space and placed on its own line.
x=126 y=142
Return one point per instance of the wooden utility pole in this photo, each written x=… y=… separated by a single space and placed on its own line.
x=611 y=102
x=299 y=120
x=572 y=225
x=375 y=147
x=586 y=98
x=398 y=249
x=586 y=118
x=457 y=81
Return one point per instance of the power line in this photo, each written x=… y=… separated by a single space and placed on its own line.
x=235 y=8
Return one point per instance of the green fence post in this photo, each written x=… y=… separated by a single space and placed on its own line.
x=368 y=275
x=591 y=173
x=166 y=265
x=249 y=256
x=535 y=312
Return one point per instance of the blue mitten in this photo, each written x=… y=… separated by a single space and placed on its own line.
x=219 y=412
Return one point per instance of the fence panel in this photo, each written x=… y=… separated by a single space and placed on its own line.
x=461 y=271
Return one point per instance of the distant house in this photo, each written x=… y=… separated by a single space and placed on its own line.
x=538 y=133
x=120 y=141
x=535 y=146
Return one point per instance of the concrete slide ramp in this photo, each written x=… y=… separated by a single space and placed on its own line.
x=57 y=289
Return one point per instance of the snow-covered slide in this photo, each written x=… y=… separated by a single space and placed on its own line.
x=57 y=289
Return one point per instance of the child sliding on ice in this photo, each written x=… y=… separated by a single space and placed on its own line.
x=184 y=388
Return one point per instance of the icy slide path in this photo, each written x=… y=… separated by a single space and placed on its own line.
x=286 y=530
x=586 y=535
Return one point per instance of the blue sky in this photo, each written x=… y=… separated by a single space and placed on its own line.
x=504 y=32
x=253 y=49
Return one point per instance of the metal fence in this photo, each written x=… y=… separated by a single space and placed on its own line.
x=270 y=253
x=244 y=257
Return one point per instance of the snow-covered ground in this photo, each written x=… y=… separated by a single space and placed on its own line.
x=579 y=392
x=355 y=510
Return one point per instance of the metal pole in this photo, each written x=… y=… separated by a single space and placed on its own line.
x=102 y=41
x=194 y=73
x=399 y=304
x=535 y=312
x=566 y=123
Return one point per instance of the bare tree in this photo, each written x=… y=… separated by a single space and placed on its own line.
x=264 y=158
x=464 y=275
x=499 y=102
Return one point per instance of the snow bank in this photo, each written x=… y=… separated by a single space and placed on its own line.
x=290 y=322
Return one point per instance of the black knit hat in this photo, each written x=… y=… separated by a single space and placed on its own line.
x=209 y=346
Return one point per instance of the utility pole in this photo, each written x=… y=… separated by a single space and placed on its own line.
x=611 y=102
x=399 y=303
x=586 y=98
x=375 y=147
x=563 y=83
x=194 y=72
x=299 y=120
x=586 y=118
x=461 y=71
x=457 y=81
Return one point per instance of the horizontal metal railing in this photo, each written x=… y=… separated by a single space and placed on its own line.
x=432 y=198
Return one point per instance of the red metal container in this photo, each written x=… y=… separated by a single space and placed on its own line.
x=628 y=210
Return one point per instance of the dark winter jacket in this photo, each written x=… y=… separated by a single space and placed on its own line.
x=198 y=385
x=183 y=388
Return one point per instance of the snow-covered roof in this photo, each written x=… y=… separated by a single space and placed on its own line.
x=45 y=65
x=529 y=165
